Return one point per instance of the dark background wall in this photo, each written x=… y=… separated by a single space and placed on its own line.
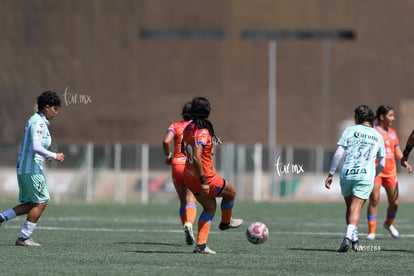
x=129 y=90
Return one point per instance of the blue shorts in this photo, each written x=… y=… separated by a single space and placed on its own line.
x=32 y=188
x=358 y=188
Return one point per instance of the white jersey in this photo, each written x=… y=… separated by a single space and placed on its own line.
x=30 y=161
x=362 y=144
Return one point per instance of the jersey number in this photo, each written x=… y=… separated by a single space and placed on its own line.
x=363 y=155
x=189 y=152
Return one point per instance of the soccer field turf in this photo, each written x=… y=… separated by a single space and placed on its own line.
x=148 y=240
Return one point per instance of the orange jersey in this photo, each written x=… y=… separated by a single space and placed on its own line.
x=192 y=137
x=177 y=129
x=391 y=142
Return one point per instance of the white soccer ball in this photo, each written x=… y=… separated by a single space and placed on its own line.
x=257 y=233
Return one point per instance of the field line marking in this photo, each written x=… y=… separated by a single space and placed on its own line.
x=92 y=229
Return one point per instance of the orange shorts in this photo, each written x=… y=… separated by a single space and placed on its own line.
x=215 y=182
x=177 y=173
x=387 y=181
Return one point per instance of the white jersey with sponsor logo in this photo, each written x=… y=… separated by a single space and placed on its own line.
x=29 y=161
x=363 y=144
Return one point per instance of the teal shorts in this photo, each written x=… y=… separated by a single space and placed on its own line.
x=32 y=188
x=358 y=188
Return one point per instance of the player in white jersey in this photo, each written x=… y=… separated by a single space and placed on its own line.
x=33 y=192
x=362 y=145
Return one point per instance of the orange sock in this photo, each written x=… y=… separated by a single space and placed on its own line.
x=191 y=212
x=372 y=224
x=390 y=219
x=204 y=224
x=226 y=211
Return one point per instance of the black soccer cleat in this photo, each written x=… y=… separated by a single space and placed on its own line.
x=345 y=245
x=234 y=223
x=356 y=247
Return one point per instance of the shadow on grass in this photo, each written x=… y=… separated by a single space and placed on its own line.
x=398 y=250
x=334 y=250
x=313 y=249
x=151 y=243
x=157 y=252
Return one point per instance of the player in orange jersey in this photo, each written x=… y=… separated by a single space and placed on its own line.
x=188 y=207
x=388 y=177
x=200 y=176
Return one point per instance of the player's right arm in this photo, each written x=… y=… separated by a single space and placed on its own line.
x=166 y=142
x=399 y=155
x=411 y=139
x=334 y=165
x=380 y=165
x=409 y=146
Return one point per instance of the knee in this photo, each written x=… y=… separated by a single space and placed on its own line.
x=209 y=205
x=374 y=201
x=230 y=191
x=40 y=206
x=190 y=199
x=233 y=193
x=229 y=197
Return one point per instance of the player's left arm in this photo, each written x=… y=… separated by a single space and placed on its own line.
x=37 y=133
x=38 y=130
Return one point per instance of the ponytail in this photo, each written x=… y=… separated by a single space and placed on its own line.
x=200 y=110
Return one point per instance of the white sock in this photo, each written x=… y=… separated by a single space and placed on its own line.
x=350 y=229
x=355 y=234
x=27 y=230
x=8 y=214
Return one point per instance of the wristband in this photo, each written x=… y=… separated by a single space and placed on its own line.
x=203 y=180
x=169 y=156
x=407 y=150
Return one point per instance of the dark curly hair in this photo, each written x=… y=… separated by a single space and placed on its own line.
x=186 y=113
x=363 y=113
x=200 y=110
x=383 y=110
x=47 y=98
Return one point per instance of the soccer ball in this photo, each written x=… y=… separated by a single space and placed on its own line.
x=257 y=233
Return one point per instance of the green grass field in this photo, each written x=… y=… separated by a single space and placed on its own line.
x=147 y=240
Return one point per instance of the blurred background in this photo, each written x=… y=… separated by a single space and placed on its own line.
x=283 y=78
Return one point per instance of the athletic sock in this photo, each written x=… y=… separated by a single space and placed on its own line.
x=8 y=214
x=390 y=219
x=355 y=235
x=372 y=224
x=204 y=225
x=191 y=212
x=27 y=230
x=226 y=211
x=350 y=231
x=181 y=212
